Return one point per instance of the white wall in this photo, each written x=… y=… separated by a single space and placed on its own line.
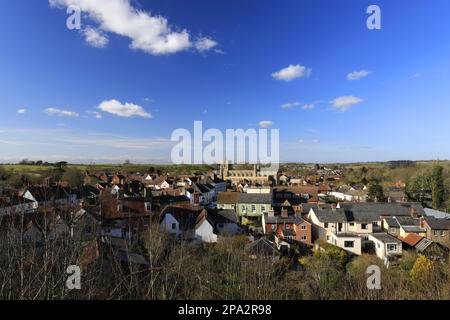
x=205 y=232
x=167 y=224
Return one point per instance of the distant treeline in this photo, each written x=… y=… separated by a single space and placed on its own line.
x=401 y=164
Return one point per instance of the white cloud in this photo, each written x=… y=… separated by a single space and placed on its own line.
x=416 y=76
x=205 y=44
x=292 y=72
x=61 y=113
x=316 y=141
x=308 y=106
x=96 y=114
x=149 y=33
x=356 y=75
x=95 y=38
x=123 y=109
x=290 y=105
x=265 y=124
x=344 y=103
x=301 y=141
x=22 y=111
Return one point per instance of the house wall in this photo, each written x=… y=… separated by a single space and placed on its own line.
x=205 y=232
x=442 y=236
x=340 y=242
x=228 y=229
x=245 y=209
x=403 y=233
x=168 y=223
x=381 y=248
x=358 y=228
x=300 y=232
x=226 y=206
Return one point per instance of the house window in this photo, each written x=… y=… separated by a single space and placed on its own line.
x=378 y=245
x=436 y=233
x=303 y=227
x=288 y=227
x=325 y=225
x=393 y=230
x=364 y=226
x=274 y=226
x=253 y=208
x=328 y=238
x=174 y=226
x=304 y=238
x=349 y=244
x=392 y=247
x=442 y=233
x=243 y=208
x=263 y=208
x=352 y=224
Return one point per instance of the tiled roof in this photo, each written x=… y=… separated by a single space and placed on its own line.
x=254 y=198
x=227 y=197
x=412 y=239
x=331 y=215
x=385 y=238
x=437 y=224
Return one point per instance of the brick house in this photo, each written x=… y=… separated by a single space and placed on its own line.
x=288 y=225
x=437 y=230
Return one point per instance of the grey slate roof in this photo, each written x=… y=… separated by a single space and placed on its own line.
x=385 y=238
x=437 y=224
x=331 y=215
x=423 y=244
x=346 y=235
x=391 y=222
x=437 y=214
x=386 y=209
x=413 y=229
x=367 y=212
x=254 y=198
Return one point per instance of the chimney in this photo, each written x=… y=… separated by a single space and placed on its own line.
x=414 y=213
x=333 y=206
x=284 y=213
x=271 y=213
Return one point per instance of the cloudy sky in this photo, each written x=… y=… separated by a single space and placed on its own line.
x=137 y=70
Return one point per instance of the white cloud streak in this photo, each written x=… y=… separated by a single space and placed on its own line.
x=290 y=105
x=292 y=72
x=126 y=110
x=95 y=38
x=61 y=113
x=149 y=33
x=265 y=124
x=357 y=75
x=344 y=103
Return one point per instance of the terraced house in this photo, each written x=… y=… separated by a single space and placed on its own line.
x=355 y=227
x=251 y=207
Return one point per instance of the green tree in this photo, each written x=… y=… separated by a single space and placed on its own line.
x=419 y=188
x=376 y=192
x=73 y=176
x=437 y=187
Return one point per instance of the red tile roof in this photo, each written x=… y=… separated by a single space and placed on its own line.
x=412 y=239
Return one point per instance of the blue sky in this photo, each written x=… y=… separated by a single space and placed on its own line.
x=216 y=61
